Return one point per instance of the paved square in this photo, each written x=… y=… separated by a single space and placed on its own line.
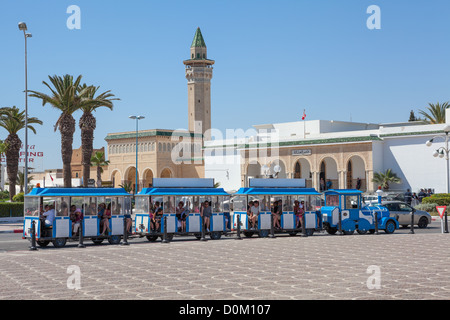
x=319 y=267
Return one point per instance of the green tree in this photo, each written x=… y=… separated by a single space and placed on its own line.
x=98 y=160
x=3 y=147
x=65 y=97
x=21 y=181
x=13 y=120
x=435 y=112
x=384 y=179
x=88 y=123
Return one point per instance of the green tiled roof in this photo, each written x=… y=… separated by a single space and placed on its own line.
x=152 y=133
x=198 y=40
x=299 y=142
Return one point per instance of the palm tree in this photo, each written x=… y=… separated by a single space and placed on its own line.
x=383 y=179
x=3 y=147
x=98 y=160
x=65 y=97
x=88 y=123
x=436 y=112
x=13 y=120
x=21 y=180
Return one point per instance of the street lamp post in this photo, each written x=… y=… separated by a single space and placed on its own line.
x=23 y=27
x=137 y=118
x=441 y=153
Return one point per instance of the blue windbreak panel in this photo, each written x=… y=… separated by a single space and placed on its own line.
x=78 y=192
x=183 y=191
x=277 y=191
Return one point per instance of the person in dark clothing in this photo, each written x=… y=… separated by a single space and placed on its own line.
x=408 y=196
x=421 y=195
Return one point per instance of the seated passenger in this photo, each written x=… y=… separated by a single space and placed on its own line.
x=206 y=213
x=277 y=210
x=76 y=216
x=250 y=215
x=157 y=219
x=49 y=215
x=184 y=216
x=298 y=211
x=255 y=213
x=104 y=218
x=178 y=211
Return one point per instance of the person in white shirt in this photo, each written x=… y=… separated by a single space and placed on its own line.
x=255 y=213
x=49 y=215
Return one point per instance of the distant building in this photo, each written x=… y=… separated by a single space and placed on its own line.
x=157 y=153
x=335 y=151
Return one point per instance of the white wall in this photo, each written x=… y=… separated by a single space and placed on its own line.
x=224 y=165
x=413 y=162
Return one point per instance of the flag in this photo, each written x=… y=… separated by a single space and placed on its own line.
x=304 y=115
x=50 y=176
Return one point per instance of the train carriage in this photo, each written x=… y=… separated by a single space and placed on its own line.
x=297 y=203
x=179 y=202
x=50 y=210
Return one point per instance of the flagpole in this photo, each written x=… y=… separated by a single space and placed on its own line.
x=304 y=124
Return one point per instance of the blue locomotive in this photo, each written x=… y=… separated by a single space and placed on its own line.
x=345 y=211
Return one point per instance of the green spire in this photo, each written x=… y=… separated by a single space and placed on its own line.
x=198 y=40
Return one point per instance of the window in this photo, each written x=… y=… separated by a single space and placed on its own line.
x=240 y=204
x=351 y=202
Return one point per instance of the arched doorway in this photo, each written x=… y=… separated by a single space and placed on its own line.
x=148 y=178
x=130 y=177
x=302 y=170
x=166 y=173
x=116 y=178
x=349 y=175
x=356 y=173
x=328 y=176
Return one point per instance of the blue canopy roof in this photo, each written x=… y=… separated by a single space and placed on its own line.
x=77 y=192
x=347 y=192
x=277 y=191
x=183 y=192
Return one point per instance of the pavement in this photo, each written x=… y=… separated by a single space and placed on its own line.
x=15 y=225
x=321 y=267
x=11 y=225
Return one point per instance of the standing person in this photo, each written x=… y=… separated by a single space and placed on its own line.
x=408 y=196
x=358 y=184
x=322 y=184
x=421 y=195
x=329 y=184
x=415 y=200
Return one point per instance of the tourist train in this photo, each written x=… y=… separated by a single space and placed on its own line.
x=195 y=207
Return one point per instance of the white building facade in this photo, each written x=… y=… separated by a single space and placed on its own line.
x=344 y=154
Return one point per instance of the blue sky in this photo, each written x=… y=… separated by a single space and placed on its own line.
x=273 y=59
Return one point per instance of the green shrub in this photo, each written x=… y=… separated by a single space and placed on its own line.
x=440 y=199
x=4 y=195
x=18 y=197
x=11 y=209
x=428 y=207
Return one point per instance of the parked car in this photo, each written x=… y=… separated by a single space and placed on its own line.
x=373 y=199
x=402 y=212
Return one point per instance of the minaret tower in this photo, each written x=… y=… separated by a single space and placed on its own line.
x=199 y=73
